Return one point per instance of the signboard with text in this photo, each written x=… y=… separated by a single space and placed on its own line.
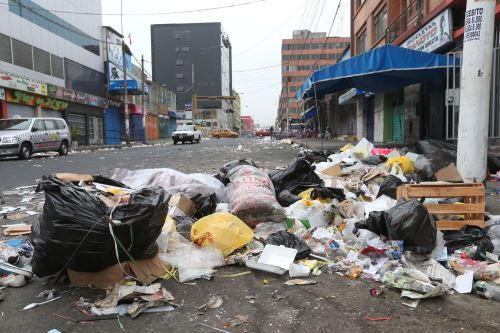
x=433 y=35
x=15 y=82
x=2 y=94
x=116 y=79
x=28 y=99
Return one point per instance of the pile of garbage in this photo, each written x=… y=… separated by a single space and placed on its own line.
x=337 y=213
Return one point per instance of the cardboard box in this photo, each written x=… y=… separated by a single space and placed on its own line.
x=332 y=171
x=449 y=174
x=180 y=205
x=146 y=271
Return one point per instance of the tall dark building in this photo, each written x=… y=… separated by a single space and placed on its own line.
x=176 y=48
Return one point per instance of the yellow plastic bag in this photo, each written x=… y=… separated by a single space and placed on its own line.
x=346 y=147
x=404 y=162
x=306 y=194
x=223 y=231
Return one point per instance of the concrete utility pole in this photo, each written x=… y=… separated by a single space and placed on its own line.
x=475 y=91
x=193 y=95
x=127 y=127
x=142 y=100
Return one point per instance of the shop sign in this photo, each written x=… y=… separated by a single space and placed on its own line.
x=2 y=94
x=433 y=35
x=115 y=50
x=75 y=96
x=28 y=99
x=19 y=83
x=116 y=79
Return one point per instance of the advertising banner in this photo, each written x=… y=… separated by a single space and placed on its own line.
x=433 y=35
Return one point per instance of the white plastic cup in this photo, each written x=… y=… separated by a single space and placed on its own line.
x=298 y=270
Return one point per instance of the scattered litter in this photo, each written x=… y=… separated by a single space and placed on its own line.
x=300 y=282
x=370 y=318
x=32 y=305
x=236 y=320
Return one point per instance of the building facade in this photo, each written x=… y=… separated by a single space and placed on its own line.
x=195 y=58
x=236 y=114
x=301 y=55
x=51 y=64
x=428 y=109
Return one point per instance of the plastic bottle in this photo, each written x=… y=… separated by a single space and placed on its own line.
x=488 y=290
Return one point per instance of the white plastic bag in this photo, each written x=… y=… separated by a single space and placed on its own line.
x=173 y=181
x=191 y=260
x=398 y=172
x=362 y=149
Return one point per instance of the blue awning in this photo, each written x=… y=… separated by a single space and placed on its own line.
x=310 y=113
x=384 y=69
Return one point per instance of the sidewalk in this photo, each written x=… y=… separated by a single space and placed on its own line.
x=116 y=146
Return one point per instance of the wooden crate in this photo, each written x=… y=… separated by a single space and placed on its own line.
x=473 y=207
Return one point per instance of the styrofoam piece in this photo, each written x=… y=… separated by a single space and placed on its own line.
x=274 y=259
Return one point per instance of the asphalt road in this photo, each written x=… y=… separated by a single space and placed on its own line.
x=334 y=304
x=208 y=156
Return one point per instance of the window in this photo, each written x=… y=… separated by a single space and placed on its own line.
x=186 y=49
x=38 y=125
x=359 y=3
x=177 y=49
x=45 y=19
x=179 y=62
x=49 y=125
x=5 y=49
x=380 y=23
x=82 y=78
x=57 y=66
x=177 y=36
x=179 y=75
x=23 y=55
x=60 y=124
x=41 y=61
x=179 y=89
x=361 y=43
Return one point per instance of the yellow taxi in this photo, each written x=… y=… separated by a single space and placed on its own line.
x=220 y=133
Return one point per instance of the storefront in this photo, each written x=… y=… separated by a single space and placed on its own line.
x=113 y=128
x=21 y=104
x=163 y=127
x=136 y=127
x=152 y=130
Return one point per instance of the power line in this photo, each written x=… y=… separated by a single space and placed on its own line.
x=329 y=32
x=139 y=14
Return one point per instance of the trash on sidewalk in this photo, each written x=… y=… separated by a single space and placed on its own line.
x=236 y=320
x=180 y=205
x=213 y=303
x=300 y=282
x=33 y=305
x=274 y=259
x=17 y=230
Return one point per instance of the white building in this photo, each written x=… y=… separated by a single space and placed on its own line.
x=51 y=63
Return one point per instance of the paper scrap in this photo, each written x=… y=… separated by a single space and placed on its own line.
x=463 y=283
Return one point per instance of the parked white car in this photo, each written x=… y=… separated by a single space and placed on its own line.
x=186 y=133
x=25 y=136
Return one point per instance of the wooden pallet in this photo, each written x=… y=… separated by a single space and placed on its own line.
x=473 y=207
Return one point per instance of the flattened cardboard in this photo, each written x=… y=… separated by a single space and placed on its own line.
x=146 y=271
x=449 y=173
x=332 y=171
x=183 y=203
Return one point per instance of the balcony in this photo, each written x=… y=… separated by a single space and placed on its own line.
x=410 y=17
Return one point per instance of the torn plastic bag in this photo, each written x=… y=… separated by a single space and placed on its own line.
x=298 y=177
x=183 y=225
x=252 y=197
x=321 y=192
x=494 y=234
x=172 y=181
x=468 y=235
x=314 y=157
x=229 y=165
x=285 y=198
x=389 y=186
x=205 y=204
x=290 y=240
x=223 y=231
x=362 y=149
x=73 y=230
x=408 y=221
x=108 y=181
x=374 y=159
x=423 y=168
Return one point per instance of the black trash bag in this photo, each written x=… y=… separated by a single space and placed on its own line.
x=229 y=165
x=389 y=186
x=205 y=204
x=314 y=157
x=468 y=235
x=429 y=147
x=285 y=198
x=493 y=163
x=408 y=221
x=321 y=192
x=298 y=177
x=374 y=159
x=108 y=181
x=222 y=178
x=290 y=240
x=183 y=225
x=73 y=230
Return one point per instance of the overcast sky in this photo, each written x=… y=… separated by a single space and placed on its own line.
x=255 y=31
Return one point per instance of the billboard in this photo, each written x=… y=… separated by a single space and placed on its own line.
x=433 y=35
x=115 y=51
x=116 y=79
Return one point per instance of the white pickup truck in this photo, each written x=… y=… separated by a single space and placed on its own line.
x=186 y=133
